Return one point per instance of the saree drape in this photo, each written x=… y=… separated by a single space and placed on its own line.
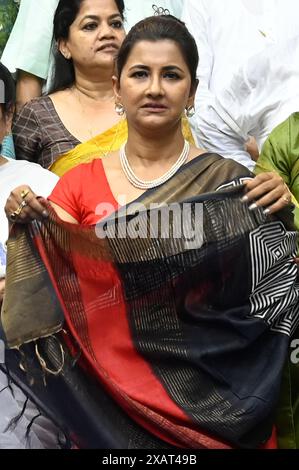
x=287 y=419
x=184 y=322
x=102 y=145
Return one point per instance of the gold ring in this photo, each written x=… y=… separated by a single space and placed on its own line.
x=20 y=208
x=24 y=193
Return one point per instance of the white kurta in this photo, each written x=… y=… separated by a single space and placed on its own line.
x=261 y=95
x=29 y=45
x=229 y=34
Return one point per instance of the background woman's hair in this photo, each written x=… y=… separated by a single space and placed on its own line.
x=63 y=75
x=155 y=28
x=7 y=91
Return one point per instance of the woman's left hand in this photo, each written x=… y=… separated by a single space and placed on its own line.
x=267 y=190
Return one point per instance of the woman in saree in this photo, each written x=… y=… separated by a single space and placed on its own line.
x=158 y=339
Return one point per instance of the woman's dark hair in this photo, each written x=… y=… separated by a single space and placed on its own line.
x=155 y=28
x=67 y=11
x=7 y=91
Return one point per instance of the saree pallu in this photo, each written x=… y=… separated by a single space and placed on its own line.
x=287 y=419
x=184 y=323
x=100 y=146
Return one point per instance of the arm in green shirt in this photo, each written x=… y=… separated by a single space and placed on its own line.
x=280 y=153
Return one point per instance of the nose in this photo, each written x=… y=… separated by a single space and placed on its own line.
x=106 y=31
x=155 y=86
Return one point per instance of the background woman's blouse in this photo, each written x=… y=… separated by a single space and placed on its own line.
x=39 y=133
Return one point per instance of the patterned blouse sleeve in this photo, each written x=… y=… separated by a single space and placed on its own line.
x=27 y=134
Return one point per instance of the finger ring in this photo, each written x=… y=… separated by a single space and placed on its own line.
x=24 y=193
x=20 y=208
x=13 y=217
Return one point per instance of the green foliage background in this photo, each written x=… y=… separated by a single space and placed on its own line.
x=8 y=14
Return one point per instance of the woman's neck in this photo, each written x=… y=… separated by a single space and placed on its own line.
x=146 y=150
x=97 y=90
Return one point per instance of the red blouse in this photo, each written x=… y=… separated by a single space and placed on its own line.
x=85 y=194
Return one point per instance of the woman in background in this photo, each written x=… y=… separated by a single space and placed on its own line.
x=80 y=107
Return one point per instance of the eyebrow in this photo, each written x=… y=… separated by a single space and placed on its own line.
x=165 y=69
x=97 y=18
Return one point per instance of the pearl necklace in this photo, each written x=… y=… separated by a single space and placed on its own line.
x=150 y=184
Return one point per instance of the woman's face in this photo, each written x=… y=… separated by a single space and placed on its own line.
x=155 y=85
x=95 y=36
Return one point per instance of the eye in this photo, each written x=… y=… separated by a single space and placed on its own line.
x=171 y=75
x=117 y=24
x=90 y=26
x=140 y=74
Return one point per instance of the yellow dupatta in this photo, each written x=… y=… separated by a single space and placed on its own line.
x=100 y=146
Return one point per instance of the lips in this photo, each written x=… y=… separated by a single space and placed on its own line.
x=108 y=46
x=156 y=106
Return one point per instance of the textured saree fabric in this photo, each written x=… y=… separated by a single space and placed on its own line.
x=287 y=419
x=177 y=329
x=100 y=146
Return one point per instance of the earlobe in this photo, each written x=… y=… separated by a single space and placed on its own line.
x=66 y=55
x=63 y=49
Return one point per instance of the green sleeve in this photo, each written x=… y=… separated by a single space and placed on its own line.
x=275 y=154
x=280 y=154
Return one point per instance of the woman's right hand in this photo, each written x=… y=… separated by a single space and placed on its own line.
x=23 y=206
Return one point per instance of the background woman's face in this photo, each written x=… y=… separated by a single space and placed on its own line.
x=96 y=34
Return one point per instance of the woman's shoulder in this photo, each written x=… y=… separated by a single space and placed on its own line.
x=86 y=170
x=234 y=167
x=62 y=99
x=37 y=106
x=221 y=171
x=216 y=159
x=225 y=167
